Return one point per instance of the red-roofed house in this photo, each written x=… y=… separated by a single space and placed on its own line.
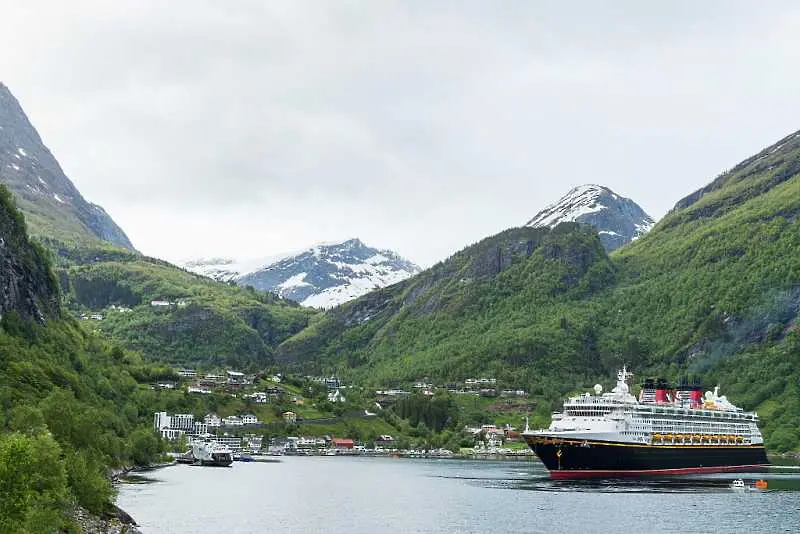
x=343 y=443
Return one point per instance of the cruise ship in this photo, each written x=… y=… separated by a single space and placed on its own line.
x=666 y=431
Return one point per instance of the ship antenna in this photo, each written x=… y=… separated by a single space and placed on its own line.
x=527 y=429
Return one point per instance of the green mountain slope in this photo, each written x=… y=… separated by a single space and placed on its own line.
x=71 y=407
x=206 y=322
x=713 y=290
x=97 y=268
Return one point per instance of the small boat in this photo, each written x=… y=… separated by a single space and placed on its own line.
x=738 y=484
x=185 y=458
x=761 y=484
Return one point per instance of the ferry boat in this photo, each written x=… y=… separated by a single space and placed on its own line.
x=663 y=432
x=209 y=452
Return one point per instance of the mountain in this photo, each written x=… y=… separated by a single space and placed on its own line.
x=712 y=291
x=74 y=409
x=224 y=269
x=618 y=220
x=101 y=275
x=52 y=206
x=322 y=276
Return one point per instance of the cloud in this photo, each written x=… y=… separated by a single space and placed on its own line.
x=247 y=128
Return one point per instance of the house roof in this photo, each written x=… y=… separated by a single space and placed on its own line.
x=342 y=441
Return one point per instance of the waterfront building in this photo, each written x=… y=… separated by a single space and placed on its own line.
x=342 y=443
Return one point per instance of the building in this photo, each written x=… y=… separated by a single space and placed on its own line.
x=259 y=397
x=160 y=303
x=172 y=427
x=235 y=377
x=290 y=417
x=212 y=420
x=183 y=421
x=187 y=373
x=231 y=421
x=161 y=420
x=333 y=382
x=343 y=443
x=233 y=442
x=171 y=434
x=336 y=396
x=249 y=419
x=384 y=441
x=200 y=428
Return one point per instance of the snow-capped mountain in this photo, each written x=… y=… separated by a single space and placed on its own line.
x=618 y=220
x=228 y=269
x=322 y=276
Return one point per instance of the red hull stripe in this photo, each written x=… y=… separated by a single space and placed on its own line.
x=591 y=473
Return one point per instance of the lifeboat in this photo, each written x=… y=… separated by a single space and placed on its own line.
x=761 y=484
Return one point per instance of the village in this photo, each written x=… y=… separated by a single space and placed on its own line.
x=272 y=414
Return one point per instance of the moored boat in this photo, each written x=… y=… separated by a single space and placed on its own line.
x=209 y=452
x=664 y=432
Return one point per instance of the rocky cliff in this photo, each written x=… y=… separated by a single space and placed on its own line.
x=52 y=206
x=27 y=285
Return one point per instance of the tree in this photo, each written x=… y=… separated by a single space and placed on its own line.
x=33 y=483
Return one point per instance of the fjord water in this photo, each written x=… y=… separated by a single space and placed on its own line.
x=367 y=495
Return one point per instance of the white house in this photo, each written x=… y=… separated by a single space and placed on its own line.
x=249 y=419
x=259 y=397
x=231 y=421
x=336 y=396
x=235 y=377
x=212 y=420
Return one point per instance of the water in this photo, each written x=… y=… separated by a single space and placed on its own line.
x=369 y=495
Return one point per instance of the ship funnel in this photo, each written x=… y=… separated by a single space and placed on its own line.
x=696 y=396
x=662 y=388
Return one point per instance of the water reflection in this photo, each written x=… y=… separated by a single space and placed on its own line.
x=535 y=478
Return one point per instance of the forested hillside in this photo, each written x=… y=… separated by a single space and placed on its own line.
x=71 y=406
x=713 y=290
x=196 y=320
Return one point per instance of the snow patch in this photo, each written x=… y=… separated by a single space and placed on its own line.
x=58 y=198
x=377 y=259
x=298 y=280
x=580 y=201
x=22 y=152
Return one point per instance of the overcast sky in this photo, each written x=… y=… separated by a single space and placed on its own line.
x=247 y=128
